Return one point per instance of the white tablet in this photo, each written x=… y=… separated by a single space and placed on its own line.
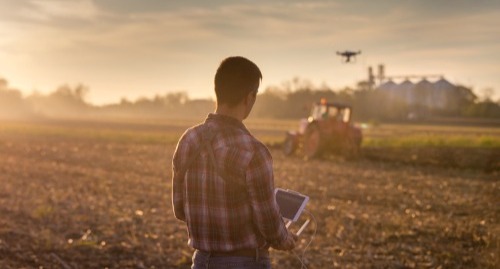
x=291 y=203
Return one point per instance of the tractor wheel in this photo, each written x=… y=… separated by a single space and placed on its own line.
x=313 y=143
x=290 y=145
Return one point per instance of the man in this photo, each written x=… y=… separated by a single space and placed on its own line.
x=222 y=183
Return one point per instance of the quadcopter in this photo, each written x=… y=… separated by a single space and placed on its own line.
x=348 y=55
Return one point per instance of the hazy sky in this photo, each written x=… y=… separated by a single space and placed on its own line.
x=132 y=48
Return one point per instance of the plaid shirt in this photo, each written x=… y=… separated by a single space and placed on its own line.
x=220 y=214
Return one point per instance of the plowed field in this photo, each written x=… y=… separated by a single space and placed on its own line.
x=99 y=196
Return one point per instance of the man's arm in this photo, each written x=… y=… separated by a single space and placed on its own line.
x=260 y=179
x=177 y=187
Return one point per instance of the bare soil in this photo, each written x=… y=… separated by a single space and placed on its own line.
x=88 y=202
x=485 y=159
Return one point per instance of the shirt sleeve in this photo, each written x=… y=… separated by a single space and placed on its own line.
x=177 y=184
x=260 y=179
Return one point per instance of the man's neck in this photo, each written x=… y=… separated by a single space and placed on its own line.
x=234 y=112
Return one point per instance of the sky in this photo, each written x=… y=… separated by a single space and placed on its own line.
x=136 y=48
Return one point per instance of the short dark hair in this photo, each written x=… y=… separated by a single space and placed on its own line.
x=235 y=79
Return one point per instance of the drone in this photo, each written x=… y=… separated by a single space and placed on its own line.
x=348 y=55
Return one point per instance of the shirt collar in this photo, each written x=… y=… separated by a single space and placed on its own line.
x=226 y=120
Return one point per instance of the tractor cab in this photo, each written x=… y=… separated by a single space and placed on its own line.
x=325 y=111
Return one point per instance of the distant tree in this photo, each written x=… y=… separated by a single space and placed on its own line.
x=483 y=109
x=66 y=96
x=3 y=84
x=459 y=99
x=12 y=104
x=176 y=98
x=270 y=104
x=487 y=94
x=125 y=102
x=63 y=102
x=10 y=99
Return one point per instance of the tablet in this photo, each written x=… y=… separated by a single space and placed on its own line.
x=291 y=203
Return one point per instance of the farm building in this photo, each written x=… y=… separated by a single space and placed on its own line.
x=420 y=92
x=439 y=94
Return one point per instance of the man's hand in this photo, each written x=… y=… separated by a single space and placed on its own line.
x=289 y=242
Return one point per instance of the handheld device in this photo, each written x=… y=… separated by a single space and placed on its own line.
x=291 y=205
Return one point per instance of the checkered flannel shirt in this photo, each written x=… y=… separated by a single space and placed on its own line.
x=238 y=211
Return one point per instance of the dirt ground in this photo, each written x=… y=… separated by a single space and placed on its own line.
x=93 y=202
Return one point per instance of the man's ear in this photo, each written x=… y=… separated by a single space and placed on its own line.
x=248 y=98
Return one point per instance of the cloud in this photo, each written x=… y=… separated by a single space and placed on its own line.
x=290 y=37
x=177 y=32
x=46 y=10
x=265 y=25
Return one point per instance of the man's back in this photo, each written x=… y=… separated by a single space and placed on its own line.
x=226 y=208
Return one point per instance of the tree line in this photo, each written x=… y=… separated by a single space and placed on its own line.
x=294 y=99
x=291 y=100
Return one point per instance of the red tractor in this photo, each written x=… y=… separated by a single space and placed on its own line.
x=328 y=129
